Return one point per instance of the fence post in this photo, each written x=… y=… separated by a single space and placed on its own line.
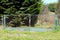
x=29 y=20
x=56 y=21
x=4 y=21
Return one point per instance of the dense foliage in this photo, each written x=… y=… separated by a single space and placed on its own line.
x=18 y=7
x=52 y=7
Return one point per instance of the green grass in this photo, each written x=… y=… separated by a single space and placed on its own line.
x=26 y=35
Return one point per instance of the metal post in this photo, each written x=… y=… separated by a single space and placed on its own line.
x=56 y=21
x=4 y=21
x=29 y=20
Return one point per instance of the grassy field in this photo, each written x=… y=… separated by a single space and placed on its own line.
x=29 y=35
x=25 y=35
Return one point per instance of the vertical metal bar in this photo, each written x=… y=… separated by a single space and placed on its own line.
x=4 y=21
x=29 y=20
x=56 y=21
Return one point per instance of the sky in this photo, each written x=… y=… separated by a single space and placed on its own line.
x=49 y=1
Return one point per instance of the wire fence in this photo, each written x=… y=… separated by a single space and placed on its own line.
x=29 y=21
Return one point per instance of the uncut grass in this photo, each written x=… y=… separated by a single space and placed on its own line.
x=26 y=35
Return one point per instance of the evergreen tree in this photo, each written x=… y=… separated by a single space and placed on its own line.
x=18 y=7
